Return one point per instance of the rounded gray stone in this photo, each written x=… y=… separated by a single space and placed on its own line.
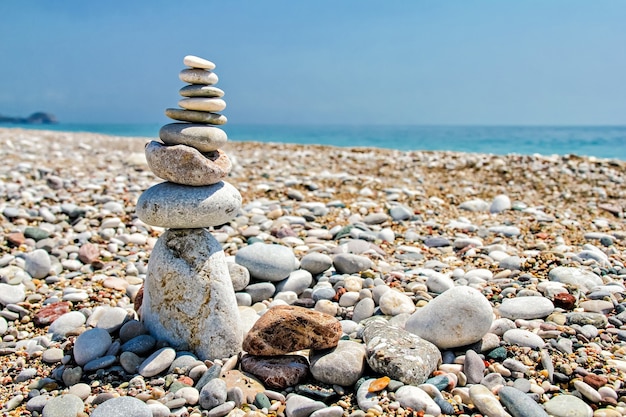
x=260 y=291
x=363 y=309
x=457 y=317
x=348 y=263
x=342 y=365
x=91 y=344
x=316 y=262
x=67 y=405
x=157 y=362
x=194 y=116
x=200 y=91
x=214 y=393
x=297 y=281
x=197 y=135
x=268 y=262
x=178 y=206
x=520 y=404
x=122 y=407
x=526 y=308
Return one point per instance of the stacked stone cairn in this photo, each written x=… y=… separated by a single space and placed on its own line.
x=188 y=297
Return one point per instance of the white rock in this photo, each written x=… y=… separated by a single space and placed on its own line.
x=394 y=303
x=188 y=296
x=417 y=399
x=197 y=62
x=457 y=317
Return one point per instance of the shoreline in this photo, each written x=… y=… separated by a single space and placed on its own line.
x=564 y=211
x=521 y=143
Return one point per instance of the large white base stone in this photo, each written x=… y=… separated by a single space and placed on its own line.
x=189 y=299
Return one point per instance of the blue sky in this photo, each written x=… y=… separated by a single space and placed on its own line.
x=558 y=62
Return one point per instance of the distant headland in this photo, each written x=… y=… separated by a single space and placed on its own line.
x=38 y=118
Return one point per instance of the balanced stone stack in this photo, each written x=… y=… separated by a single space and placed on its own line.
x=188 y=297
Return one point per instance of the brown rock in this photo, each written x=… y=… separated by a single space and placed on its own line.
x=16 y=238
x=596 y=381
x=138 y=300
x=284 y=329
x=51 y=312
x=278 y=372
x=88 y=253
x=182 y=164
x=565 y=301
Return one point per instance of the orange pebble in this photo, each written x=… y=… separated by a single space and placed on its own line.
x=379 y=384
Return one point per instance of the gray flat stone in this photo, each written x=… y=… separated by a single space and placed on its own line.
x=180 y=206
x=122 y=407
x=267 y=262
x=526 y=308
x=194 y=116
x=399 y=354
x=199 y=136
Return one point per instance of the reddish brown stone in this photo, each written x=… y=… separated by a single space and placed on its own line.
x=278 y=372
x=16 y=238
x=50 y=313
x=88 y=253
x=138 y=299
x=284 y=329
x=565 y=301
x=596 y=381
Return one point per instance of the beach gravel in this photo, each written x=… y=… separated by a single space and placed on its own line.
x=511 y=266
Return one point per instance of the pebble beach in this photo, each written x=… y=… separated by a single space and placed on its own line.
x=463 y=284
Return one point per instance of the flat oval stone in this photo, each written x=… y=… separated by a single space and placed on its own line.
x=202 y=104
x=578 y=277
x=157 y=362
x=268 y=262
x=567 y=406
x=343 y=365
x=197 y=62
x=520 y=404
x=182 y=207
x=198 y=76
x=197 y=90
x=67 y=405
x=203 y=138
x=91 y=344
x=194 y=116
x=486 y=402
x=457 y=317
x=182 y=164
x=122 y=406
x=526 y=308
x=522 y=337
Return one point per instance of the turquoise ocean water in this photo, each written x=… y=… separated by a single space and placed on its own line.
x=598 y=141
